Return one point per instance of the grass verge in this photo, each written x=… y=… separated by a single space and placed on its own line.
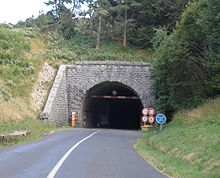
x=189 y=146
x=38 y=129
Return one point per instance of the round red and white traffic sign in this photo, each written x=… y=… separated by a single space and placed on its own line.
x=151 y=111
x=151 y=119
x=144 y=119
x=145 y=111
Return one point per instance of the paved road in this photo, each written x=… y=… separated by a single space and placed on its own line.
x=104 y=154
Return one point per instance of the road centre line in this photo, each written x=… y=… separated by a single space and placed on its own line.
x=61 y=161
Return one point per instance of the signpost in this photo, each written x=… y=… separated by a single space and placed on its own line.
x=145 y=111
x=144 y=119
x=161 y=119
x=151 y=119
x=151 y=111
x=148 y=117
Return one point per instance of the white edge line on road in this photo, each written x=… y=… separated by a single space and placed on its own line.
x=61 y=161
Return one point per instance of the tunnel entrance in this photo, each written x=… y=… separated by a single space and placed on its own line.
x=111 y=105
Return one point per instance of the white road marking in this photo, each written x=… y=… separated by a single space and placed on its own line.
x=61 y=161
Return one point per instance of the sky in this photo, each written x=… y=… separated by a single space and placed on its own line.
x=11 y=11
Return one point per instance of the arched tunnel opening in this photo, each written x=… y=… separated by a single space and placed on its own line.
x=111 y=105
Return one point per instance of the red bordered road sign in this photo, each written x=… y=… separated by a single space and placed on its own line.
x=151 y=111
x=144 y=119
x=151 y=119
x=145 y=111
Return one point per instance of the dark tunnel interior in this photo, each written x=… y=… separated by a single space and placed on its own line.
x=111 y=112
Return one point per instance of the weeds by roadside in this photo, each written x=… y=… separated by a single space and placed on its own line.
x=36 y=128
x=189 y=146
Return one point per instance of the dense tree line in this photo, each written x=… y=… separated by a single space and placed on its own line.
x=187 y=69
x=130 y=22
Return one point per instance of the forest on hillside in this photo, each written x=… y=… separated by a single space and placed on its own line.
x=129 y=22
x=182 y=35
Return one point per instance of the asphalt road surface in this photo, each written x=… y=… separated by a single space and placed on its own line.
x=77 y=153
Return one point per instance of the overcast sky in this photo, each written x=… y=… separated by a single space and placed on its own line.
x=11 y=11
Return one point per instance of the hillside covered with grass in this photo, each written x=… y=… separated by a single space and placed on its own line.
x=189 y=146
x=22 y=53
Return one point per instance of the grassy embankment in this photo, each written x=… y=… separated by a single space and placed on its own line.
x=82 y=48
x=22 y=54
x=189 y=146
x=21 y=57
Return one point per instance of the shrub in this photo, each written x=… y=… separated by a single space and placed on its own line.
x=186 y=71
x=14 y=67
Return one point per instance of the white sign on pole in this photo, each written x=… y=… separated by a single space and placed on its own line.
x=144 y=119
x=145 y=111
x=151 y=119
x=151 y=111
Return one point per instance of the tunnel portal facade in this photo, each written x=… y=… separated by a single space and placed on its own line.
x=102 y=94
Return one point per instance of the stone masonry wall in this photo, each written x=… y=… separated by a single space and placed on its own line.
x=56 y=108
x=84 y=75
x=73 y=82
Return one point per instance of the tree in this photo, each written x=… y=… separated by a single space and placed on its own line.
x=153 y=14
x=210 y=24
x=129 y=5
x=125 y=23
x=122 y=13
x=99 y=10
x=98 y=32
x=65 y=15
x=187 y=70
